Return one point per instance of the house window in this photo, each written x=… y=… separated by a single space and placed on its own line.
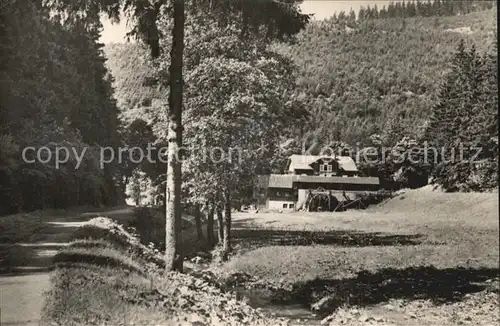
x=284 y=205
x=290 y=205
x=325 y=167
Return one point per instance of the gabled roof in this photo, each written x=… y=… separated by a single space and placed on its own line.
x=303 y=162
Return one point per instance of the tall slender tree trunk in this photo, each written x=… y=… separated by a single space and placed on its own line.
x=226 y=244
x=197 y=219
x=210 y=225
x=220 y=224
x=173 y=236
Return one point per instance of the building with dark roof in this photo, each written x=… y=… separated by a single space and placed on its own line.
x=307 y=173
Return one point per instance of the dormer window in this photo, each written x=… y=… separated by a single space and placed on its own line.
x=325 y=167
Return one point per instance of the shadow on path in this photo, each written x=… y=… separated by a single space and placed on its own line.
x=32 y=244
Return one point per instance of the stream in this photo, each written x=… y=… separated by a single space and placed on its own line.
x=261 y=299
x=297 y=313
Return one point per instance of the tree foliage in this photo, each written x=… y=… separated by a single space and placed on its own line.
x=464 y=123
x=237 y=101
x=56 y=92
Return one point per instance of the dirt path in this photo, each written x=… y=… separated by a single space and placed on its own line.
x=21 y=298
x=22 y=293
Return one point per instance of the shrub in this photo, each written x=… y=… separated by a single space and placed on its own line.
x=16 y=229
x=150 y=225
x=20 y=228
x=89 y=295
x=13 y=256
x=375 y=198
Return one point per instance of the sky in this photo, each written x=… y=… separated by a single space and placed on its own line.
x=115 y=33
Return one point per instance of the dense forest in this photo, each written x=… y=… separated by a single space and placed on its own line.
x=357 y=78
x=56 y=92
x=353 y=81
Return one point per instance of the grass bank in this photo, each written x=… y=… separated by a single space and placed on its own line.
x=107 y=277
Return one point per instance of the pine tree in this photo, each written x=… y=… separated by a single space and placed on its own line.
x=383 y=13
x=464 y=119
x=362 y=14
x=404 y=10
x=436 y=8
x=485 y=123
x=442 y=127
x=342 y=16
x=398 y=12
x=375 y=12
x=391 y=10
x=411 y=8
x=352 y=16
x=419 y=10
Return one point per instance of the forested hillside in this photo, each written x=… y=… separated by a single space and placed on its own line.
x=132 y=69
x=368 y=82
x=56 y=92
x=357 y=77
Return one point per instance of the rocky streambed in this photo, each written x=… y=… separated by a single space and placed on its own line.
x=275 y=299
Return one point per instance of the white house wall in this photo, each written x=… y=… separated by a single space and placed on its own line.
x=278 y=204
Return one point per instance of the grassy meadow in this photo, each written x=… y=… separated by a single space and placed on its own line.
x=422 y=248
